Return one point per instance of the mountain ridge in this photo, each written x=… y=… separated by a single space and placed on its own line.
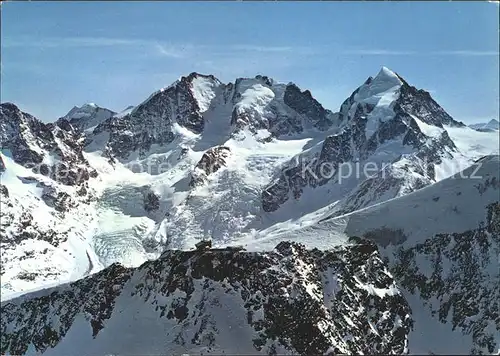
x=252 y=163
x=491 y=125
x=223 y=272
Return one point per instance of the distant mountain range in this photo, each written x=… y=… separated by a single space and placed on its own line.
x=492 y=125
x=371 y=230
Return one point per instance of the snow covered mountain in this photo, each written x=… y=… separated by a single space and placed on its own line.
x=51 y=149
x=442 y=245
x=383 y=121
x=251 y=163
x=297 y=300
x=492 y=125
x=44 y=190
x=87 y=116
x=201 y=108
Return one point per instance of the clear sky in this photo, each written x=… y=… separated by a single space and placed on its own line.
x=59 y=54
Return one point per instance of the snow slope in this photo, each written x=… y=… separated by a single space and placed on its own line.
x=198 y=302
x=203 y=159
x=439 y=240
x=41 y=245
x=146 y=158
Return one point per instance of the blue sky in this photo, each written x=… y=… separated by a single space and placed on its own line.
x=59 y=54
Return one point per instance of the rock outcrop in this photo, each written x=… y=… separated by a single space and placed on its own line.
x=290 y=299
x=53 y=150
x=211 y=161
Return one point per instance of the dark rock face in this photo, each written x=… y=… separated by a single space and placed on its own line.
x=30 y=141
x=464 y=279
x=64 y=125
x=287 y=114
x=2 y=165
x=241 y=119
x=60 y=201
x=350 y=101
x=18 y=225
x=19 y=132
x=308 y=301
x=91 y=297
x=4 y=192
x=438 y=148
x=265 y=79
x=420 y=104
x=303 y=103
x=160 y=105
x=151 y=122
x=318 y=170
x=277 y=193
x=151 y=201
x=211 y=161
x=282 y=123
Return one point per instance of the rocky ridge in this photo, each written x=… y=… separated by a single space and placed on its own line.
x=384 y=110
x=292 y=300
x=231 y=156
x=53 y=150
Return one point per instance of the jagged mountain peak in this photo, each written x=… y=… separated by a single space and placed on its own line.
x=13 y=120
x=384 y=72
x=260 y=104
x=385 y=111
x=199 y=102
x=492 y=125
x=86 y=107
x=9 y=106
x=157 y=120
x=385 y=80
x=383 y=86
x=204 y=159
x=11 y=115
x=87 y=116
x=15 y=123
x=53 y=149
x=194 y=85
x=194 y=75
x=389 y=90
x=258 y=79
x=183 y=79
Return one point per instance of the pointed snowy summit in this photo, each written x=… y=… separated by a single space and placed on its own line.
x=385 y=80
x=492 y=125
x=387 y=75
x=87 y=116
